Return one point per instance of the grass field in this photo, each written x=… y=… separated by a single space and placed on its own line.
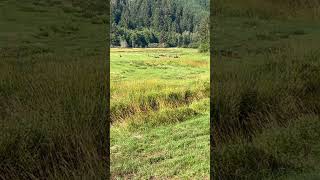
x=53 y=91
x=53 y=96
x=266 y=85
x=160 y=114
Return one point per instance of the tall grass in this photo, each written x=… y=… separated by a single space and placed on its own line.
x=53 y=92
x=53 y=117
x=266 y=103
x=285 y=85
x=279 y=89
x=140 y=97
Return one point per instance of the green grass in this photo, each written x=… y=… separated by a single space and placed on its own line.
x=180 y=150
x=266 y=86
x=159 y=110
x=52 y=92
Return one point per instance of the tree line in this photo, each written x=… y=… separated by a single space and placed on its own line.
x=159 y=23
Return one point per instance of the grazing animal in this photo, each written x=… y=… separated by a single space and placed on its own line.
x=120 y=55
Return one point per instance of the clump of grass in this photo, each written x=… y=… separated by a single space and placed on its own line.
x=137 y=101
x=201 y=106
x=163 y=117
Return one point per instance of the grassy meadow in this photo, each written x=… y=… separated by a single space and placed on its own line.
x=266 y=89
x=159 y=113
x=53 y=91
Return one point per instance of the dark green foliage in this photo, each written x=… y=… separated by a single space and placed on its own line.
x=165 y=22
x=204 y=34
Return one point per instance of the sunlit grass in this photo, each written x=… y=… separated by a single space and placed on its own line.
x=159 y=90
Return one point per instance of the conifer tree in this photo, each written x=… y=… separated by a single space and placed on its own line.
x=172 y=22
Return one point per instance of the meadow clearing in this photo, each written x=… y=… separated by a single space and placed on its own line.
x=266 y=80
x=159 y=113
